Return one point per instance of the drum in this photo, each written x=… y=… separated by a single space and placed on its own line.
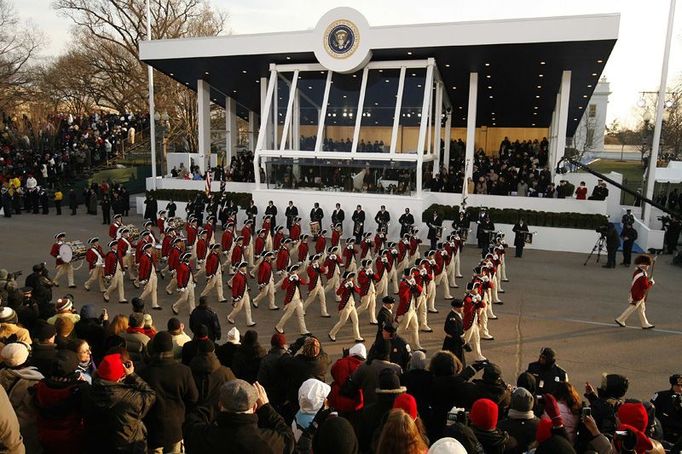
x=314 y=228
x=528 y=237
x=72 y=251
x=357 y=228
x=156 y=252
x=176 y=223
x=463 y=234
x=133 y=231
x=439 y=232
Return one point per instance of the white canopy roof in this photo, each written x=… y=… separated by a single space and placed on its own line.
x=671 y=174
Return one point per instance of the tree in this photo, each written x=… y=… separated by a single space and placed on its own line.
x=18 y=45
x=67 y=82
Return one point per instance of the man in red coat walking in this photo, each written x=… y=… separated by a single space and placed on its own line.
x=266 y=281
x=240 y=295
x=406 y=315
x=292 y=301
x=214 y=273
x=347 y=290
x=113 y=273
x=95 y=259
x=186 y=284
x=147 y=275
x=639 y=288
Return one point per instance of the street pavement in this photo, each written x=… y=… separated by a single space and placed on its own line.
x=553 y=300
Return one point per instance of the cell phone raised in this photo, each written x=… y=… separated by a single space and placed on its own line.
x=586 y=411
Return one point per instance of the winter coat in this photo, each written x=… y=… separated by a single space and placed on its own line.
x=18 y=384
x=264 y=432
x=10 y=433
x=297 y=369
x=498 y=393
x=42 y=357
x=268 y=375
x=113 y=415
x=10 y=332
x=418 y=383
x=246 y=362
x=523 y=430
x=366 y=377
x=92 y=331
x=175 y=392
x=206 y=316
x=341 y=372
x=226 y=352
x=495 y=441
x=209 y=375
x=136 y=344
x=60 y=415
x=371 y=419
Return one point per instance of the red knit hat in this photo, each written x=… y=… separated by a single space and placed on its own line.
x=543 y=432
x=484 y=414
x=111 y=368
x=406 y=403
x=634 y=414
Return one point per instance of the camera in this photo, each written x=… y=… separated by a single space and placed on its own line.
x=602 y=230
x=458 y=415
x=586 y=411
x=665 y=221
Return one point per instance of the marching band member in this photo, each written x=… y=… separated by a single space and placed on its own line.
x=486 y=313
x=442 y=259
x=259 y=242
x=292 y=301
x=191 y=230
x=379 y=240
x=147 y=275
x=227 y=239
x=302 y=249
x=435 y=225
x=349 y=255
x=125 y=252
x=382 y=219
x=368 y=294
x=414 y=246
x=347 y=307
x=283 y=260
x=95 y=259
x=113 y=273
x=332 y=264
x=358 y=218
x=338 y=216
x=117 y=224
x=214 y=273
x=502 y=252
x=316 y=215
x=315 y=288
x=146 y=237
x=472 y=319
x=201 y=251
x=423 y=279
x=161 y=223
x=320 y=243
x=268 y=227
x=240 y=295
x=366 y=246
x=494 y=265
x=391 y=254
x=336 y=234
x=459 y=243
x=147 y=227
x=166 y=245
x=381 y=274
x=246 y=234
x=186 y=283
x=403 y=251
x=295 y=230
x=639 y=288
x=61 y=266
x=237 y=254
x=271 y=210
x=277 y=238
x=406 y=314
x=406 y=222
x=266 y=281
x=174 y=256
x=209 y=227
x=452 y=259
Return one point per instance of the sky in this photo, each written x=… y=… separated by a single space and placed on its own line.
x=634 y=65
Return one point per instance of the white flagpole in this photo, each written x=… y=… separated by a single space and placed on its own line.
x=152 y=121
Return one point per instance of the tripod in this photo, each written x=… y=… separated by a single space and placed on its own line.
x=599 y=247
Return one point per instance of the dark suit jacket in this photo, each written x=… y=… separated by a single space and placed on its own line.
x=384 y=317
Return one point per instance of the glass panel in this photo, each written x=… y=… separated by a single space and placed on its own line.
x=341 y=110
x=411 y=110
x=311 y=87
x=378 y=110
x=283 y=93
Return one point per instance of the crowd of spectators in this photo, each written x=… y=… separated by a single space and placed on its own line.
x=77 y=380
x=307 y=143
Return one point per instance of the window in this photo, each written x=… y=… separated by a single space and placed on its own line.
x=592 y=111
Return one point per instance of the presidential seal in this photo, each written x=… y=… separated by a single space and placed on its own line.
x=341 y=39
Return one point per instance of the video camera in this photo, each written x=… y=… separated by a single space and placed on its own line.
x=458 y=415
x=665 y=221
x=602 y=230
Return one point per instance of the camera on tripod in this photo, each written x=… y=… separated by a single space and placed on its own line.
x=665 y=221
x=602 y=230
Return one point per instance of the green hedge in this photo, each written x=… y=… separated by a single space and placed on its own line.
x=532 y=218
x=242 y=199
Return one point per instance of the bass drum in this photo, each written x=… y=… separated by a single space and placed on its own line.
x=66 y=253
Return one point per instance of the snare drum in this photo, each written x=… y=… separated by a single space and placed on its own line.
x=72 y=251
x=156 y=252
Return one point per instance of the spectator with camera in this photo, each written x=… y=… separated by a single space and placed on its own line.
x=546 y=371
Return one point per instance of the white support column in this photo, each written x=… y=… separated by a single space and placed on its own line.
x=396 y=113
x=653 y=158
x=358 y=115
x=231 y=132
x=264 y=124
x=204 y=122
x=295 y=141
x=263 y=93
x=437 y=121
x=152 y=107
x=253 y=129
x=323 y=113
x=290 y=103
x=448 y=137
x=553 y=128
x=471 y=131
x=562 y=118
x=423 y=125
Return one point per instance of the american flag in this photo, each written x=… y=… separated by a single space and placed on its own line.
x=208 y=181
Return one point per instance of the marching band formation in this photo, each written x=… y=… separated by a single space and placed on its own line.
x=357 y=270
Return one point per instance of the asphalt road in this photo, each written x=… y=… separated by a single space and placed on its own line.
x=552 y=300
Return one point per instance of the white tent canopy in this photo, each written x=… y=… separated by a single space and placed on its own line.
x=671 y=174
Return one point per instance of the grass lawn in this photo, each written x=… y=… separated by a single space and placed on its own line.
x=632 y=171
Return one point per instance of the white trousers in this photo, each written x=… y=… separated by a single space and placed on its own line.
x=369 y=302
x=150 y=288
x=444 y=281
x=409 y=326
x=244 y=303
x=116 y=283
x=96 y=274
x=333 y=284
x=294 y=307
x=450 y=273
x=186 y=296
x=382 y=286
x=393 y=277
x=64 y=268
x=422 y=314
x=348 y=311
x=503 y=267
x=267 y=291
x=458 y=268
x=431 y=295
x=640 y=307
x=215 y=282
x=317 y=292
x=472 y=337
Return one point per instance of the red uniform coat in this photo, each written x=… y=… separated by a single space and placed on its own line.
x=471 y=309
x=237 y=255
x=302 y=251
x=365 y=248
x=92 y=255
x=54 y=252
x=414 y=245
x=146 y=266
x=365 y=277
x=264 y=272
x=320 y=244
x=403 y=247
x=640 y=285
x=277 y=240
x=212 y=262
x=267 y=224
x=282 y=258
x=138 y=248
x=226 y=240
x=166 y=245
x=209 y=231
x=330 y=263
x=202 y=249
x=291 y=285
x=161 y=224
x=174 y=258
x=113 y=229
x=123 y=246
x=381 y=268
x=581 y=193
x=239 y=286
x=295 y=232
x=348 y=255
x=111 y=262
x=389 y=260
x=405 y=293
x=440 y=263
x=450 y=250
x=191 y=234
x=379 y=241
x=313 y=273
x=246 y=233
x=336 y=236
x=184 y=275
x=258 y=245
x=345 y=292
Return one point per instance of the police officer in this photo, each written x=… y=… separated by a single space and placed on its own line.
x=454 y=330
x=546 y=372
x=669 y=409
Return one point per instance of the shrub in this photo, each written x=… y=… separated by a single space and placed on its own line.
x=242 y=199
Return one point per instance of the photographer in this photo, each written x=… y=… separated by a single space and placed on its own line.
x=671 y=237
x=669 y=409
x=612 y=244
x=41 y=284
x=629 y=235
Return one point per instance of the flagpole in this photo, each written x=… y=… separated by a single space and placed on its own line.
x=152 y=120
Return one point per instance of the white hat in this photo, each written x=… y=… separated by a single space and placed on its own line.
x=15 y=354
x=233 y=336
x=358 y=350
x=447 y=445
x=311 y=395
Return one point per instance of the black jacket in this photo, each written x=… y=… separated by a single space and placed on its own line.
x=669 y=413
x=295 y=370
x=371 y=419
x=384 y=317
x=454 y=330
x=495 y=441
x=113 y=415
x=209 y=376
x=546 y=376
x=42 y=357
x=226 y=352
x=522 y=430
x=92 y=331
x=268 y=375
x=262 y=433
x=205 y=315
x=246 y=362
x=175 y=393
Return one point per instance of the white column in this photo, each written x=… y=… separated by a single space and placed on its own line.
x=323 y=113
x=471 y=131
x=396 y=112
x=562 y=118
x=651 y=173
x=152 y=108
x=265 y=119
x=268 y=129
x=204 y=122
x=253 y=129
x=437 y=121
x=296 y=122
x=423 y=125
x=231 y=132
x=446 y=139
x=358 y=114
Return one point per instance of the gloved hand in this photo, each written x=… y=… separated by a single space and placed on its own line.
x=552 y=410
